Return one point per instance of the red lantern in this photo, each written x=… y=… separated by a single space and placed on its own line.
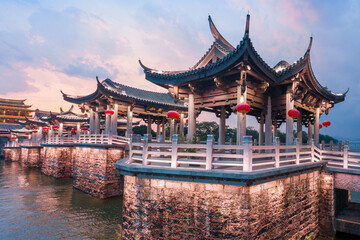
x=293 y=113
x=28 y=133
x=45 y=128
x=34 y=131
x=161 y=125
x=73 y=130
x=55 y=127
x=320 y=126
x=187 y=120
x=272 y=127
x=132 y=132
x=85 y=129
x=173 y=115
x=13 y=138
x=326 y=123
x=243 y=108
x=109 y=112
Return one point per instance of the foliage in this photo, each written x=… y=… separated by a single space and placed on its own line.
x=142 y=129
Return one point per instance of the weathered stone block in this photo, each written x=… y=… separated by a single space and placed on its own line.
x=57 y=161
x=12 y=154
x=94 y=171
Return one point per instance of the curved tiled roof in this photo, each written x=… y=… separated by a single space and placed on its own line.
x=165 y=78
x=128 y=94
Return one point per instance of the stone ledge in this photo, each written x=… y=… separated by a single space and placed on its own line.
x=57 y=145
x=103 y=146
x=215 y=176
x=342 y=170
x=11 y=147
x=30 y=146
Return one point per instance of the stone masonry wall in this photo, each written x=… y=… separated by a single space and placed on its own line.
x=282 y=209
x=33 y=159
x=12 y=154
x=23 y=156
x=94 y=171
x=57 y=161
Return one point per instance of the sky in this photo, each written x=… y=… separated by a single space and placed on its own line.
x=48 y=46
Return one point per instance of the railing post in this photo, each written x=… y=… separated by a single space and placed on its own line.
x=312 y=150
x=340 y=145
x=346 y=156
x=110 y=140
x=130 y=148
x=209 y=151
x=247 y=154
x=174 y=150
x=145 y=149
x=323 y=145
x=332 y=145
x=277 y=151
x=347 y=143
x=297 y=144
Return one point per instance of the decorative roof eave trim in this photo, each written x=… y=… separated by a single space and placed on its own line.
x=80 y=99
x=216 y=34
x=322 y=90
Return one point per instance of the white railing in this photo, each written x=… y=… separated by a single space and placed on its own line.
x=107 y=139
x=246 y=157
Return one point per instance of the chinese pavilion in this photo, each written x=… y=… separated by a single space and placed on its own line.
x=226 y=76
x=13 y=110
x=112 y=100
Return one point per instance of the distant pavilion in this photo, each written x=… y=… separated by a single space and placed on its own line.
x=227 y=75
x=126 y=101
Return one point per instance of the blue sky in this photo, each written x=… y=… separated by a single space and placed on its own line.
x=46 y=46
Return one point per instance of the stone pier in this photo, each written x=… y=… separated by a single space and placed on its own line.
x=30 y=156
x=12 y=154
x=94 y=171
x=289 y=203
x=57 y=160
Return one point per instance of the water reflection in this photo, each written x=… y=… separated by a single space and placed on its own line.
x=34 y=206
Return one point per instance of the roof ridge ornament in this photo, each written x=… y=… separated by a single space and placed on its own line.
x=216 y=34
x=247 y=26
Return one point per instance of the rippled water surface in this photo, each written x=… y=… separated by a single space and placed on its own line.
x=34 y=206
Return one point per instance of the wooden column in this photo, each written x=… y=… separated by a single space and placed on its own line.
x=97 y=121
x=289 y=120
x=268 y=123
x=191 y=118
x=261 y=130
x=61 y=129
x=129 y=122
x=163 y=130
x=309 y=132
x=316 y=127
x=181 y=124
x=107 y=121
x=78 y=129
x=241 y=118
x=157 y=131
x=149 y=125
x=274 y=131
x=222 y=124
x=172 y=126
x=114 y=118
x=92 y=122
x=299 y=128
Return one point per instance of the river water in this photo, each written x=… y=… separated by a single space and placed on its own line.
x=34 y=206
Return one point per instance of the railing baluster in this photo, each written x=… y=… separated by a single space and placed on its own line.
x=145 y=150
x=130 y=149
x=247 y=154
x=312 y=150
x=209 y=152
x=174 y=151
x=346 y=156
x=297 y=143
x=277 y=152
